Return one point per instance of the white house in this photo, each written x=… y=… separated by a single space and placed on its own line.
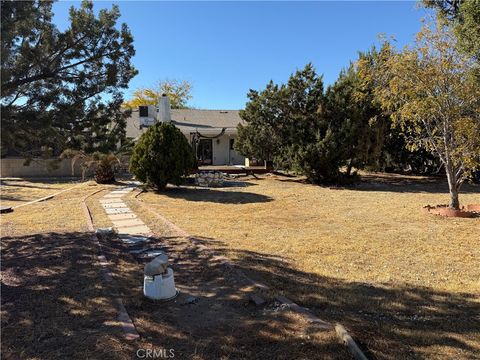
x=210 y=132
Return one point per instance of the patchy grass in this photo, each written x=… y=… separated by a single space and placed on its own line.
x=404 y=281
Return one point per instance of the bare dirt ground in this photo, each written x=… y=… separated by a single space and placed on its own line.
x=404 y=282
x=55 y=304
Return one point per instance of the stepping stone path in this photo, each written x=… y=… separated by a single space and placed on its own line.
x=131 y=230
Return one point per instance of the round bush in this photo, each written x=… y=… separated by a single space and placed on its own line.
x=162 y=155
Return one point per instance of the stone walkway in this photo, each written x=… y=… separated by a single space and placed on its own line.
x=131 y=230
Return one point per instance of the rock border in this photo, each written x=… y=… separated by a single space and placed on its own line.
x=469 y=211
x=130 y=332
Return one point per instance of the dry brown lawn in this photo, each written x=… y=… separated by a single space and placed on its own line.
x=406 y=283
x=16 y=191
x=54 y=303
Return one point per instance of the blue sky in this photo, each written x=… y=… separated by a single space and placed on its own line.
x=226 y=48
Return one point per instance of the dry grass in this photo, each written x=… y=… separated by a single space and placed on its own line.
x=15 y=191
x=54 y=303
x=405 y=281
x=63 y=213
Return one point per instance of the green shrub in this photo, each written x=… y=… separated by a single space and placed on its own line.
x=320 y=160
x=162 y=155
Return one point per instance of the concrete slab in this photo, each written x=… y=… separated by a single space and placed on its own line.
x=134 y=230
x=110 y=196
x=123 y=216
x=118 y=211
x=134 y=240
x=114 y=205
x=123 y=192
x=128 y=222
x=111 y=201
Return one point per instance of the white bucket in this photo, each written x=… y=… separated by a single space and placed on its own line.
x=160 y=287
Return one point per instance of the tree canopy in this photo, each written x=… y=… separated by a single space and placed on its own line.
x=287 y=123
x=162 y=155
x=433 y=95
x=177 y=91
x=62 y=89
x=464 y=17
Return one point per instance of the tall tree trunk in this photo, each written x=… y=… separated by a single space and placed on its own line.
x=452 y=186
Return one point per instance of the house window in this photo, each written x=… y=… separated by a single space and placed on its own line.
x=143 y=111
x=231 y=143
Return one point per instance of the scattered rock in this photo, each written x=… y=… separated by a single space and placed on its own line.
x=209 y=179
x=107 y=230
x=191 y=300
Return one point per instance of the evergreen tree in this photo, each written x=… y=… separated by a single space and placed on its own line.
x=162 y=155
x=62 y=89
x=287 y=123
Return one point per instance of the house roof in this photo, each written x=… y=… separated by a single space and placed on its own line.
x=206 y=121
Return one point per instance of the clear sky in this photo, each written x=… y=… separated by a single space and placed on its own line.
x=226 y=48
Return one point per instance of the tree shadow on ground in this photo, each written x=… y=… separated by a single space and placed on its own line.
x=396 y=183
x=56 y=306
x=19 y=184
x=227 y=183
x=405 y=184
x=215 y=196
x=392 y=321
x=222 y=323
x=5 y=197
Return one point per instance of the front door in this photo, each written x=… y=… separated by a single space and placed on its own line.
x=205 y=152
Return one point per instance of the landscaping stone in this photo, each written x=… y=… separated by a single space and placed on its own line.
x=209 y=179
x=134 y=240
x=114 y=205
x=110 y=196
x=134 y=230
x=191 y=300
x=111 y=201
x=117 y=211
x=127 y=222
x=122 y=216
x=107 y=230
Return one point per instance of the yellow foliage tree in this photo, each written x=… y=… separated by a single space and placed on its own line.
x=177 y=91
x=433 y=95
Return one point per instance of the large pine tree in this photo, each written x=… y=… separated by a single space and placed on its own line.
x=62 y=89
